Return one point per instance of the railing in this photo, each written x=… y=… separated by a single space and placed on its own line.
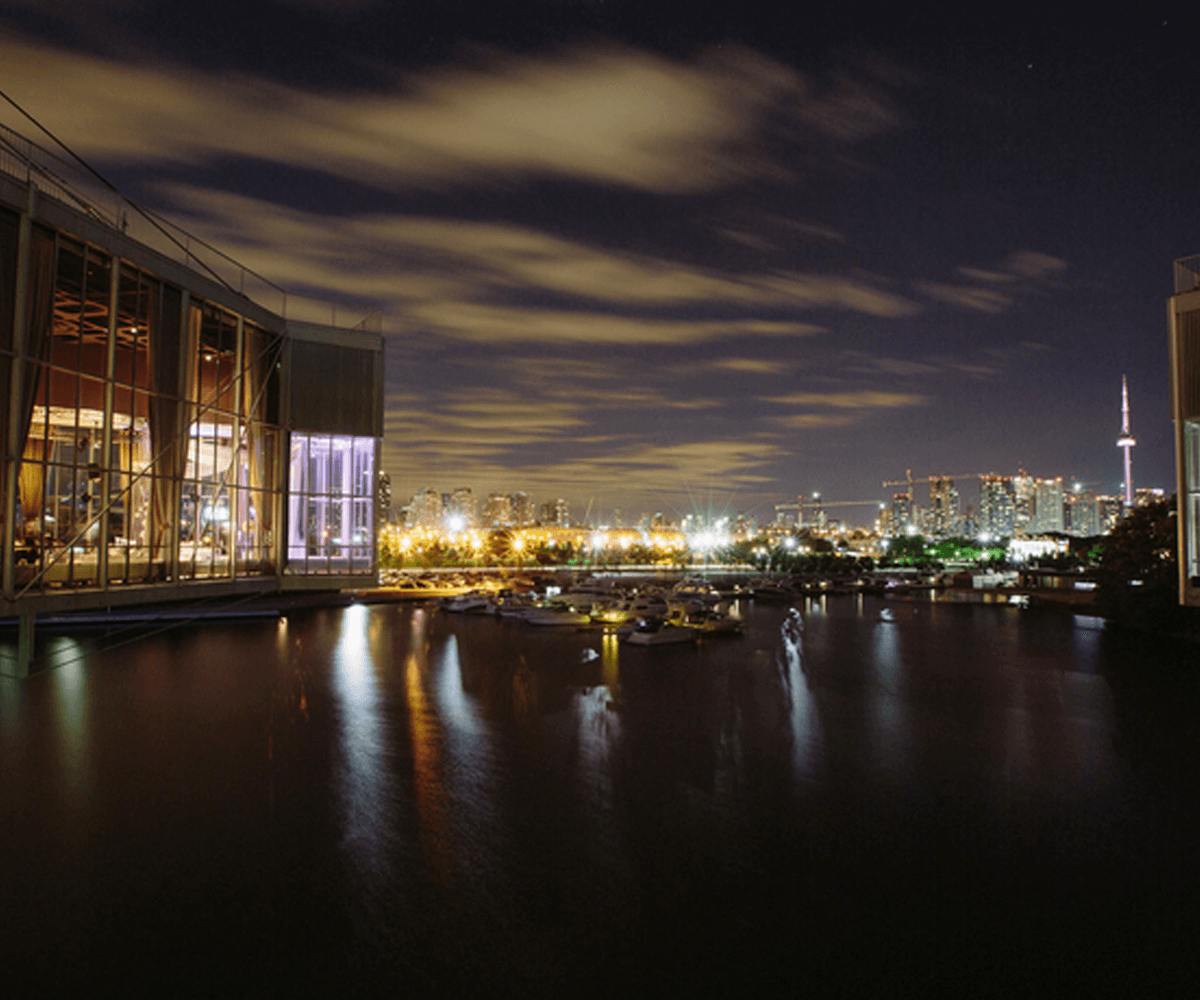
x=67 y=181
x=1187 y=274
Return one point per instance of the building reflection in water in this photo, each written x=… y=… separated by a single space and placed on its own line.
x=467 y=768
x=364 y=782
x=890 y=740
x=598 y=726
x=807 y=733
x=610 y=665
x=429 y=793
x=66 y=663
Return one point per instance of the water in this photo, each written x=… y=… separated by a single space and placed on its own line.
x=854 y=793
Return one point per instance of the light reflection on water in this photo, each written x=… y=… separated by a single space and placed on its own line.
x=487 y=800
x=463 y=764
x=69 y=678
x=807 y=737
x=887 y=694
x=598 y=729
x=365 y=780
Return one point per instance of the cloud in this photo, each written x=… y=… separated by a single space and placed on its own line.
x=492 y=323
x=807 y=421
x=430 y=258
x=864 y=363
x=752 y=366
x=982 y=299
x=634 y=471
x=1021 y=272
x=1031 y=264
x=865 y=399
x=606 y=114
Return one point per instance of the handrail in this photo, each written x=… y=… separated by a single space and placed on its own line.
x=1187 y=274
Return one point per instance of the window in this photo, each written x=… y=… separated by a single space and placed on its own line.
x=331 y=504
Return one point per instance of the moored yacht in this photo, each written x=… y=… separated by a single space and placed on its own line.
x=660 y=632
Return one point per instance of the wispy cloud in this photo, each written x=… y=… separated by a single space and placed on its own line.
x=1021 y=272
x=607 y=114
x=471 y=321
x=865 y=399
x=982 y=299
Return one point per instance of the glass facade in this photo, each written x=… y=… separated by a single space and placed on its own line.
x=331 y=501
x=155 y=420
x=1191 y=505
x=150 y=426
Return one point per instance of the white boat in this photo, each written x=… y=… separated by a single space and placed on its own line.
x=710 y=622
x=629 y=609
x=694 y=588
x=657 y=632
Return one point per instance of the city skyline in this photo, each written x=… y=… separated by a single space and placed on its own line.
x=1008 y=505
x=664 y=262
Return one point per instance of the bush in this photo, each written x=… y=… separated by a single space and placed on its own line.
x=1138 y=573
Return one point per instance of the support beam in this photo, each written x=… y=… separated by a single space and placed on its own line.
x=19 y=668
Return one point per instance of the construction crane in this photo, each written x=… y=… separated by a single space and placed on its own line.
x=908 y=481
x=830 y=503
x=818 y=505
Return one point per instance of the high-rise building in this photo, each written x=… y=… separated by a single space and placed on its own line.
x=556 y=512
x=1023 y=502
x=425 y=509
x=902 y=517
x=814 y=516
x=1082 y=514
x=461 y=505
x=943 y=507
x=1047 y=506
x=1143 y=496
x=522 y=508
x=383 y=512
x=1109 y=510
x=498 y=512
x=997 y=506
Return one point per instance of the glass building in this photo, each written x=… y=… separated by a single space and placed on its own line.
x=165 y=434
x=1183 y=319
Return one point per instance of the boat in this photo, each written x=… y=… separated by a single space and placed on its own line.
x=513 y=606
x=694 y=588
x=473 y=602
x=660 y=632
x=709 y=621
x=556 y=616
x=629 y=609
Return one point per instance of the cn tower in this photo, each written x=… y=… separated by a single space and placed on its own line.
x=1126 y=441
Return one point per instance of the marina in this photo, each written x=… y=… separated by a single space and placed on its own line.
x=851 y=790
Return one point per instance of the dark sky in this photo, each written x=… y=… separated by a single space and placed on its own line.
x=681 y=258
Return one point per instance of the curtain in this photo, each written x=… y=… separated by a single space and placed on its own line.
x=8 y=294
x=140 y=494
x=30 y=485
x=261 y=355
x=39 y=313
x=166 y=446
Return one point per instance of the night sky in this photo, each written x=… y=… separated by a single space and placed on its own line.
x=678 y=260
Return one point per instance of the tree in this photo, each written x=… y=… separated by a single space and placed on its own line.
x=908 y=550
x=499 y=545
x=1138 y=573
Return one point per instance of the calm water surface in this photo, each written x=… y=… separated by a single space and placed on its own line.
x=854 y=793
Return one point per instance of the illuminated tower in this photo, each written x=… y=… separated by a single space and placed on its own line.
x=1126 y=441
